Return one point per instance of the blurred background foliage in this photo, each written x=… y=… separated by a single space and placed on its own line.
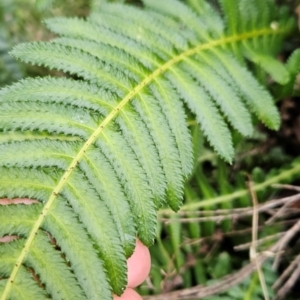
x=197 y=245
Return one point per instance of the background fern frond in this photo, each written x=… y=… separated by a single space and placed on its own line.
x=104 y=147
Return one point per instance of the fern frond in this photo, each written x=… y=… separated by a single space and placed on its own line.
x=103 y=148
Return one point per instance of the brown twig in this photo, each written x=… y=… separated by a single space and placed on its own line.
x=259 y=241
x=286 y=273
x=281 y=293
x=284 y=241
x=26 y=201
x=252 y=251
x=286 y=186
x=221 y=214
x=200 y=291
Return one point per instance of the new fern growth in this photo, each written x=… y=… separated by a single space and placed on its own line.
x=103 y=148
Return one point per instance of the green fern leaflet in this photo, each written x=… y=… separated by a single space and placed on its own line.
x=102 y=149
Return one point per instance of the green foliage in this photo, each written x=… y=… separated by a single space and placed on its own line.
x=250 y=289
x=103 y=148
x=201 y=258
x=9 y=68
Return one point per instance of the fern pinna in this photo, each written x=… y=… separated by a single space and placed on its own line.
x=101 y=150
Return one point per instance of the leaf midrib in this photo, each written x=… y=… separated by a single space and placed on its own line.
x=109 y=118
